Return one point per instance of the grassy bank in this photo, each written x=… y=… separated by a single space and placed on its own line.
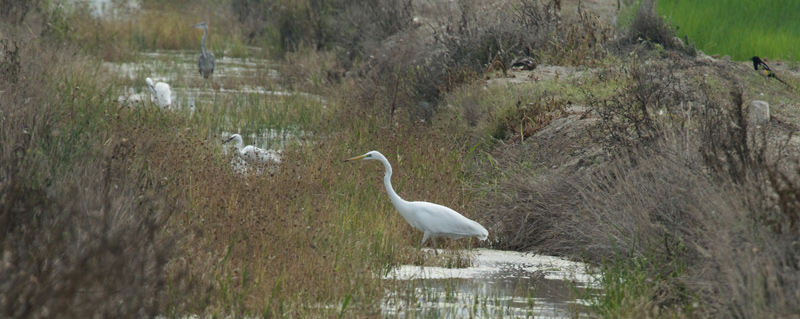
x=741 y=29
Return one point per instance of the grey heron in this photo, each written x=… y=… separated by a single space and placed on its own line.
x=205 y=62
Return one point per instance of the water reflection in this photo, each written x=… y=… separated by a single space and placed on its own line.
x=499 y=284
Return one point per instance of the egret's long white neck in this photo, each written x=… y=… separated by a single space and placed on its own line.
x=203 y=41
x=150 y=85
x=387 y=181
x=239 y=143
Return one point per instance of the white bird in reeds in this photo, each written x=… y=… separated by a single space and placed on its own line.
x=432 y=219
x=255 y=156
x=161 y=92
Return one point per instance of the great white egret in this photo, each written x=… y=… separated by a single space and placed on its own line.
x=205 y=62
x=160 y=92
x=433 y=220
x=253 y=155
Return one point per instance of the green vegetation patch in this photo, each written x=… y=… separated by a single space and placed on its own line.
x=738 y=28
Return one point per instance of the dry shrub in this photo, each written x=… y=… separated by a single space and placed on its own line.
x=524 y=120
x=15 y=11
x=656 y=97
x=705 y=203
x=459 y=42
x=93 y=243
x=648 y=25
x=398 y=77
x=352 y=26
x=309 y=70
x=476 y=40
x=701 y=239
x=582 y=42
x=405 y=64
x=80 y=237
x=9 y=65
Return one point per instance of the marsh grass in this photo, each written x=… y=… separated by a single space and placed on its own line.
x=328 y=241
x=316 y=231
x=320 y=232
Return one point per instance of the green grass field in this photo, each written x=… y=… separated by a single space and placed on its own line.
x=738 y=28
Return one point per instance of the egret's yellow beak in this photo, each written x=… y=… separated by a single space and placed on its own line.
x=355 y=158
x=227 y=140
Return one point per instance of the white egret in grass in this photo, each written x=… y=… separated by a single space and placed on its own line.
x=160 y=92
x=433 y=220
x=253 y=155
x=205 y=62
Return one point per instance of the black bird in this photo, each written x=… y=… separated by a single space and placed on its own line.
x=525 y=63
x=764 y=69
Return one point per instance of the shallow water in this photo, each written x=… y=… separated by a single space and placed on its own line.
x=179 y=70
x=190 y=93
x=499 y=284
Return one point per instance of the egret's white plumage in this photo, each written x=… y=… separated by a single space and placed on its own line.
x=253 y=155
x=161 y=92
x=432 y=219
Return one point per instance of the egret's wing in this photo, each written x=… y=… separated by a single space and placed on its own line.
x=250 y=154
x=255 y=155
x=443 y=221
x=164 y=98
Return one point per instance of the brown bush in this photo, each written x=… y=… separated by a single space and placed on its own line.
x=94 y=244
x=15 y=11
x=711 y=206
x=80 y=236
x=353 y=26
x=650 y=27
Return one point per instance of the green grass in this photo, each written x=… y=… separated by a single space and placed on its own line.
x=738 y=28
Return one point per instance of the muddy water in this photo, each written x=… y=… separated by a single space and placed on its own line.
x=498 y=284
